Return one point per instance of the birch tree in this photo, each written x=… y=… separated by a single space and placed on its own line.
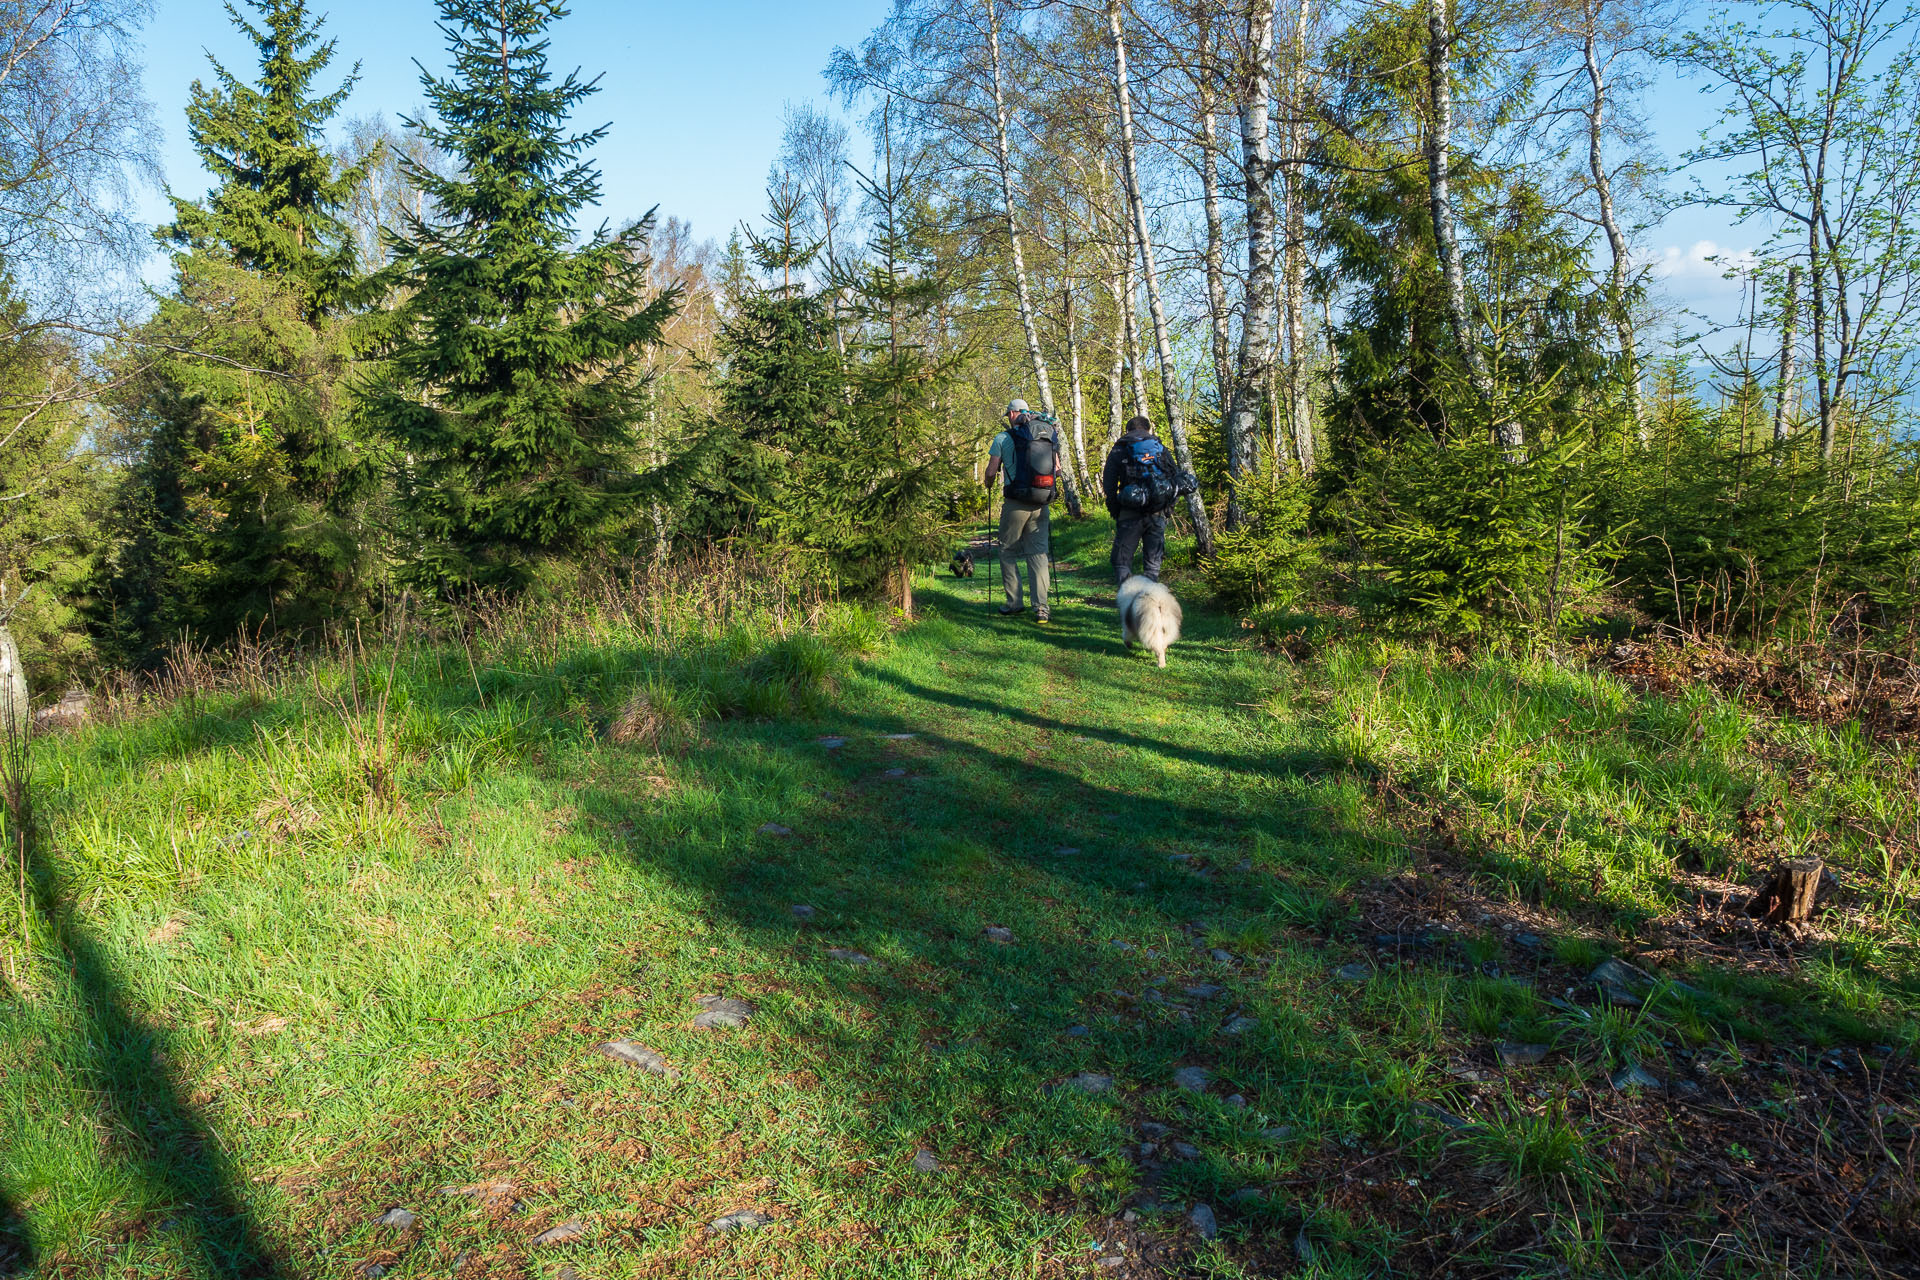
x=1130 y=172
x=1256 y=334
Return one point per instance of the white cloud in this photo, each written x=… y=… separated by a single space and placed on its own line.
x=1704 y=261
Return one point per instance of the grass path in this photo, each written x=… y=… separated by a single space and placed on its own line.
x=345 y=1005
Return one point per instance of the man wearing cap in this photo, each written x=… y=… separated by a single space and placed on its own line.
x=1023 y=526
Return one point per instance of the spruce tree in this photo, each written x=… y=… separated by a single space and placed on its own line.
x=277 y=208
x=243 y=506
x=512 y=374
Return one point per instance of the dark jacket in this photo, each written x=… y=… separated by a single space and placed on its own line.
x=1114 y=474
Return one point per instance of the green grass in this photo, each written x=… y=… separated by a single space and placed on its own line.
x=306 y=952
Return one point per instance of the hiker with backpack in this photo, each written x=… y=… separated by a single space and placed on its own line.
x=1027 y=454
x=1140 y=486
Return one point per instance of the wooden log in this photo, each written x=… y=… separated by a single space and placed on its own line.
x=1788 y=898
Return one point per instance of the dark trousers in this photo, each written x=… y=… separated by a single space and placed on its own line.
x=1146 y=532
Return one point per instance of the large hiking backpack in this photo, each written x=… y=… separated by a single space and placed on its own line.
x=1036 y=458
x=1146 y=479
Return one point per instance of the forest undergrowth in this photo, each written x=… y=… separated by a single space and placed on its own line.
x=1381 y=958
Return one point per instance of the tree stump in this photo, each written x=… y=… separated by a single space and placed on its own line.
x=1788 y=897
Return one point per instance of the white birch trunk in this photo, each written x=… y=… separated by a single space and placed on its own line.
x=1254 y=370
x=1169 y=387
x=1003 y=156
x=1299 y=410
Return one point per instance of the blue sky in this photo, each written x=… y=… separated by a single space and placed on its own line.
x=694 y=94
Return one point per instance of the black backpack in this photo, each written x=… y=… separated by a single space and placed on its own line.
x=1036 y=458
x=1146 y=477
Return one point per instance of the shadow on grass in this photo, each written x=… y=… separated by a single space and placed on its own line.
x=16 y=1250
x=172 y=1150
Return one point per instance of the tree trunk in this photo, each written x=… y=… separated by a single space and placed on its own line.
x=1216 y=236
x=1789 y=897
x=1784 y=398
x=1440 y=203
x=1616 y=238
x=1130 y=318
x=14 y=711
x=1817 y=295
x=1003 y=157
x=1299 y=410
x=1169 y=385
x=1254 y=369
x=1077 y=399
x=903 y=588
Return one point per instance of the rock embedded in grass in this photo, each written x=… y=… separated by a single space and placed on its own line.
x=1353 y=973
x=1185 y=1150
x=1088 y=1082
x=801 y=911
x=774 y=829
x=832 y=743
x=1065 y=851
x=1621 y=983
x=397 y=1218
x=1635 y=1076
x=1205 y=991
x=1204 y=1222
x=925 y=1161
x=899 y=737
x=1512 y=1053
x=567 y=1232
x=1238 y=1101
x=1239 y=1026
x=740 y=1220
x=722 y=1012
x=1077 y=1031
x=847 y=956
x=638 y=1055
x=1221 y=957
x=998 y=933
x=1193 y=1079
x=894 y=773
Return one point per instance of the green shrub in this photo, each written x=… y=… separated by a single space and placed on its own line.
x=1266 y=560
x=1465 y=538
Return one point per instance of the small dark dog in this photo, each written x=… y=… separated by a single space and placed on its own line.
x=962 y=564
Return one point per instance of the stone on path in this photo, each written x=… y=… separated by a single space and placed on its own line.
x=1353 y=973
x=397 y=1218
x=801 y=911
x=894 y=773
x=925 y=1161
x=1194 y=1079
x=1620 y=982
x=1221 y=957
x=1279 y=1133
x=998 y=933
x=1205 y=991
x=741 y=1220
x=1239 y=1026
x=1065 y=851
x=565 y=1233
x=774 y=829
x=1088 y=1082
x=1238 y=1101
x=1077 y=1031
x=1514 y=1054
x=638 y=1055
x=899 y=737
x=723 y=1012
x=831 y=743
x=1633 y=1075
x=1245 y=1195
x=1186 y=1150
x=1179 y=857
x=1444 y=1116
x=1204 y=1222
x=848 y=956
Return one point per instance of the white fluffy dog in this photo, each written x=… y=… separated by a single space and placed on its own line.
x=1149 y=615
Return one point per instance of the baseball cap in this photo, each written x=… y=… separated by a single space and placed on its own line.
x=1017 y=406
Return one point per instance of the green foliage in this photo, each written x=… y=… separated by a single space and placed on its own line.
x=1467 y=538
x=245 y=504
x=54 y=488
x=843 y=453
x=1733 y=533
x=512 y=376
x=247 y=500
x=277 y=208
x=1264 y=562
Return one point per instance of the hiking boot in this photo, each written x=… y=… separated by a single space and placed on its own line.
x=1008 y=610
x=1041 y=619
